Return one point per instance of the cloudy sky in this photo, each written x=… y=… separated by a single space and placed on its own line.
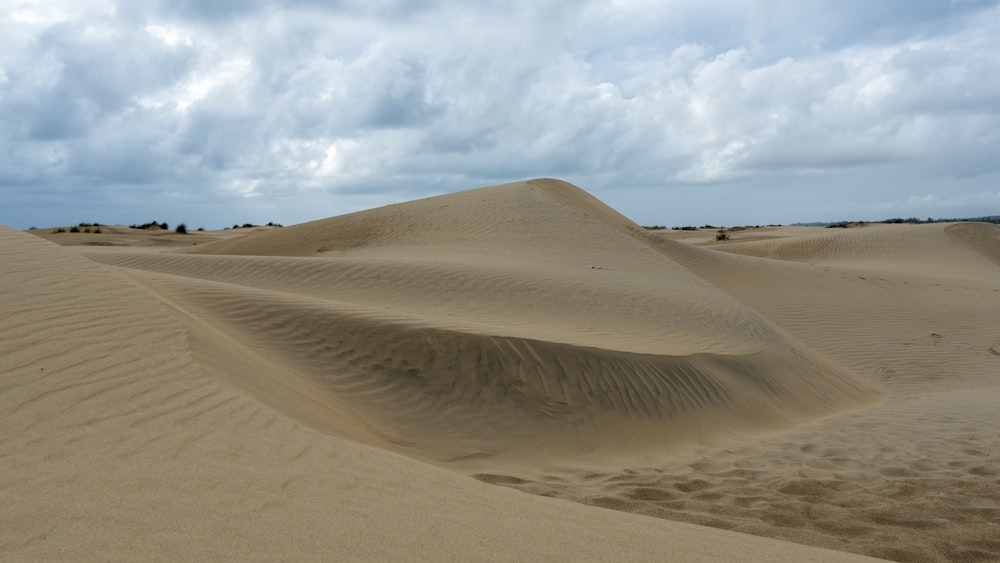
x=674 y=112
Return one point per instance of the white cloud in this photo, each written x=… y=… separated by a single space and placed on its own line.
x=232 y=99
x=988 y=201
x=228 y=74
x=172 y=36
x=337 y=158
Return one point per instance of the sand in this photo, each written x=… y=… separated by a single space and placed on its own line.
x=357 y=387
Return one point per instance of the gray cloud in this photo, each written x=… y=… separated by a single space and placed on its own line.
x=298 y=110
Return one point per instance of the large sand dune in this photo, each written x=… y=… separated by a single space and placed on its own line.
x=520 y=321
x=250 y=397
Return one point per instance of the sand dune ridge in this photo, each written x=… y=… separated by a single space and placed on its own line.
x=546 y=315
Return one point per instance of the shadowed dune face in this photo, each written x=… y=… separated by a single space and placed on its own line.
x=522 y=321
x=981 y=238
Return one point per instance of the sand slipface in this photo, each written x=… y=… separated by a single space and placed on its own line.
x=221 y=400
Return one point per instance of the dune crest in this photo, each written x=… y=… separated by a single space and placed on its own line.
x=521 y=321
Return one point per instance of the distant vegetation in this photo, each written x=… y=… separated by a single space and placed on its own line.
x=251 y=225
x=86 y=228
x=182 y=228
x=150 y=225
x=712 y=227
x=840 y=224
x=899 y=220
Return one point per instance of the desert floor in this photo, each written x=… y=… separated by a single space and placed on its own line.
x=357 y=387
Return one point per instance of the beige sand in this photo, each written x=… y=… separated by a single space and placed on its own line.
x=325 y=390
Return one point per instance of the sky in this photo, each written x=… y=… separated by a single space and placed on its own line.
x=674 y=112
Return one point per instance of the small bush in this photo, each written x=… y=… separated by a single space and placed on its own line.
x=182 y=229
x=86 y=229
x=97 y=230
x=59 y=230
x=150 y=225
x=74 y=229
x=200 y=229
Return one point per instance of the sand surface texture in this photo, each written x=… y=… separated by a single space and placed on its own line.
x=327 y=389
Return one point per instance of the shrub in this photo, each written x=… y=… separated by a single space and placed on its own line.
x=86 y=229
x=97 y=230
x=151 y=224
x=59 y=230
x=182 y=229
x=74 y=229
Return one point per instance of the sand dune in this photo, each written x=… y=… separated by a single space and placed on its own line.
x=248 y=395
x=521 y=321
x=913 y=479
x=963 y=249
x=120 y=442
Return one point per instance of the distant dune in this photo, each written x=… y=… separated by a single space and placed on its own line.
x=327 y=388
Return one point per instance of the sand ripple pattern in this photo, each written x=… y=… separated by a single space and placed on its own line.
x=541 y=333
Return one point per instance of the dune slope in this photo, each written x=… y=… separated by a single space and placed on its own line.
x=520 y=322
x=167 y=396
x=913 y=478
x=959 y=249
x=122 y=441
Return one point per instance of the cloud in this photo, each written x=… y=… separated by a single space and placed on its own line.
x=985 y=200
x=307 y=104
